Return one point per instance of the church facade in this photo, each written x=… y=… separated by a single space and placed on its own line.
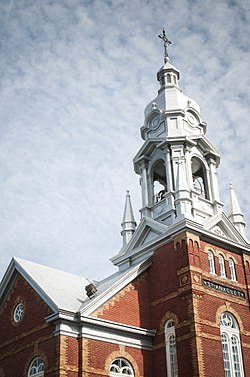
x=178 y=305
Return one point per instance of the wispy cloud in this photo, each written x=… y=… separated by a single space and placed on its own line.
x=75 y=78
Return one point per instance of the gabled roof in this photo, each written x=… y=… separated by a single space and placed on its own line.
x=66 y=292
x=59 y=289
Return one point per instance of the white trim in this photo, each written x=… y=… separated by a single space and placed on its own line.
x=230 y=331
x=172 y=367
x=115 y=338
x=14 y=265
x=119 y=369
x=105 y=331
x=221 y=261
x=117 y=333
x=117 y=326
x=211 y=264
x=145 y=225
x=95 y=303
x=232 y=271
x=172 y=230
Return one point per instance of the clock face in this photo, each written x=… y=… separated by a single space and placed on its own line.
x=154 y=122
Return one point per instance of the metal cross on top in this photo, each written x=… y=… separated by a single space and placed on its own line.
x=166 y=43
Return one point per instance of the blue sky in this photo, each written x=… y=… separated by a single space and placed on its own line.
x=75 y=78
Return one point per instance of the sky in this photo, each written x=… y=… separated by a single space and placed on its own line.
x=75 y=77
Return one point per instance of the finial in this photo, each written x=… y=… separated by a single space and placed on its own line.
x=166 y=43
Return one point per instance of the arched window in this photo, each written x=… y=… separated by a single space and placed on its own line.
x=231 y=346
x=159 y=180
x=36 y=368
x=222 y=266
x=199 y=178
x=232 y=269
x=121 y=367
x=211 y=266
x=171 y=353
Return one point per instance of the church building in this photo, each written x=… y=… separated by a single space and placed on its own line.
x=178 y=303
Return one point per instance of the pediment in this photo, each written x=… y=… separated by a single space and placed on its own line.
x=147 y=231
x=223 y=227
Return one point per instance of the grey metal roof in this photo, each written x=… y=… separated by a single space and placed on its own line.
x=63 y=291
x=59 y=289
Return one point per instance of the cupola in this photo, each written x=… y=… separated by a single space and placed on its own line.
x=176 y=150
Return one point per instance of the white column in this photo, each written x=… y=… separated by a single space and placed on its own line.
x=213 y=181
x=168 y=168
x=189 y=167
x=144 y=184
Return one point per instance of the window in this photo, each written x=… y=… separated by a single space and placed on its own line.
x=232 y=269
x=171 y=352
x=36 y=368
x=19 y=312
x=120 y=367
x=222 y=266
x=231 y=346
x=211 y=266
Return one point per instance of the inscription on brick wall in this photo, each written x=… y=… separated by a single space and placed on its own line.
x=222 y=288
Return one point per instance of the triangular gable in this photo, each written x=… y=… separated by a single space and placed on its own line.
x=149 y=236
x=147 y=230
x=223 y=227
x=60 y=290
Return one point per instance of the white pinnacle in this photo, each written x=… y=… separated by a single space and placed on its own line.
x=128 y=221
x=236 y=215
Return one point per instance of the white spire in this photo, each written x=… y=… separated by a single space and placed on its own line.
x=236 y=216
x=128 y=222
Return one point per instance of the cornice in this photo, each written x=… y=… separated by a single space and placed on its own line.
x=82 y=326
x=172 y=231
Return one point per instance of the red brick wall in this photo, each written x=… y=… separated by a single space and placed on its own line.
x=170 y=289
x=212 y=304
x=170 y=299
x=98 y=356
x=32 y=337
x=129 y=306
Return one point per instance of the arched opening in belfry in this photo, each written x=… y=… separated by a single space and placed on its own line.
x=199 y=178
x=159 y=180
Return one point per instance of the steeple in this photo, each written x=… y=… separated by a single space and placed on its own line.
x=177 y=166
x=128 y=222
x=174 y=134
x=236 y=215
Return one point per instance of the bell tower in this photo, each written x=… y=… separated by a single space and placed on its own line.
x=177 y=164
